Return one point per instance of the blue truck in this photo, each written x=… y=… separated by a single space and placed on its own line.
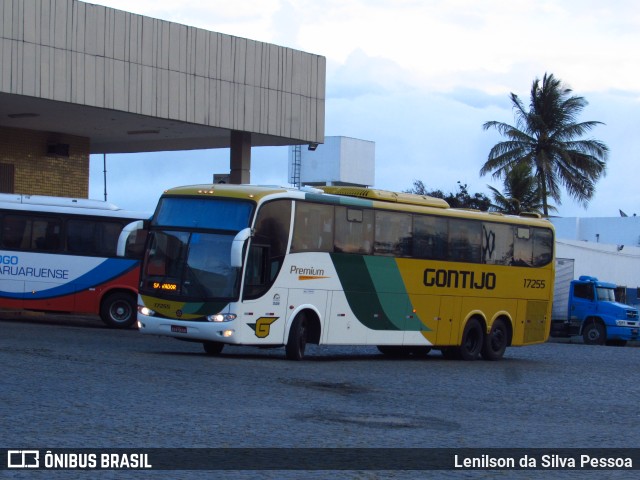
x=587 y=307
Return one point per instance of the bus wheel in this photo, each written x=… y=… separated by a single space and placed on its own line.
x=594 y=333
x=213 y=348
x=297 y=338
x=118 y=310
x=472 y=340
x=496 y=342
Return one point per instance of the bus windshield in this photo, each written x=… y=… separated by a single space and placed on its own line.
x=210 y=213
x=190 y=264
x=184 y=261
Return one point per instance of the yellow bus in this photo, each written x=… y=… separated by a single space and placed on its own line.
x=270 y=266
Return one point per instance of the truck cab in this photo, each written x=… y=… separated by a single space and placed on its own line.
x=594 y=313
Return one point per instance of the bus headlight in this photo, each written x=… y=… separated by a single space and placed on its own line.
x=222 y=317
x=227 y=333
x=145 y=311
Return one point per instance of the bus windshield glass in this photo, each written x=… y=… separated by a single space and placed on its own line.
x=209 y=213
x=190 y=264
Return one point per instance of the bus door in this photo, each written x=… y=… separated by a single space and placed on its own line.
x=426 y=309
x=264 y=301
x=448 y=321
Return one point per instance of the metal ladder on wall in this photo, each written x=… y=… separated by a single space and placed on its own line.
x=295 y=165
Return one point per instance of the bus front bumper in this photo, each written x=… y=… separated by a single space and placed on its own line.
x=199 y=331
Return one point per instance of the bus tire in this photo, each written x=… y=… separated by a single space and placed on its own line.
x=297 y=341
x=472 y=340
x=118 y=310
x=213 y=348
x=495 y=343
x=594 y=333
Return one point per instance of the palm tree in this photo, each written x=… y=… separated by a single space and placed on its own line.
x=547 y=137
x=521 y=193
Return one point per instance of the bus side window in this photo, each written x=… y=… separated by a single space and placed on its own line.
x=465 y=240
x=81 y=237
x=542 y=246
x=430 y=236
x=523 y=247
x=16 y=232
x=354 y=230
x=313 y=231
x=497 y=243
x=393 y=234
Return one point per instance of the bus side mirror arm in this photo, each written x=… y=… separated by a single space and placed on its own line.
x=237 y=246
x=124 y=236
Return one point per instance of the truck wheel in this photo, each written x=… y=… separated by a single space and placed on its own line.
x=496 y=342
x=472 y=340
x=118 y=310
x=297 y=338
x=213 y=348
x=594 y=333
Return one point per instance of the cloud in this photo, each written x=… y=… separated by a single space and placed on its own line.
x=362 y=75
x=419 y=79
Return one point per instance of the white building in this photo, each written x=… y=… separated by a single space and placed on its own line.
x=339 y=161
x=607 y=248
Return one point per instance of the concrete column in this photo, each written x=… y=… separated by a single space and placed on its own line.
x=240 y=157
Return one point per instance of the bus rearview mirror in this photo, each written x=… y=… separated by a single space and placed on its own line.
x=237 y=246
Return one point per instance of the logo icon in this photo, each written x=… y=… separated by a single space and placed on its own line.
x=262 y=327
x=23 y=459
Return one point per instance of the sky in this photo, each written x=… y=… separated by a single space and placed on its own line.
x=420 y=78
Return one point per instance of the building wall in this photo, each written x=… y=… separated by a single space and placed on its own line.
x=605 y=261
x=609 y=230
x=36 y=171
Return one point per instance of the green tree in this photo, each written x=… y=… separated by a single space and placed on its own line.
x=548 y=138
x=521 y=193
x=460 y=199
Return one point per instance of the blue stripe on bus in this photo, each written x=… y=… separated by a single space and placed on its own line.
x=108 y=270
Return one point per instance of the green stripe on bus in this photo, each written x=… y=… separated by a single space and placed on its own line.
x=392 y=294
x=360 y=291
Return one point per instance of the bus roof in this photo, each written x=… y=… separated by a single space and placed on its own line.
x=355 y=196
x=80 y=206
x=387 y=196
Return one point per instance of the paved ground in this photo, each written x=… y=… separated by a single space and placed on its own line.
x=70 y=382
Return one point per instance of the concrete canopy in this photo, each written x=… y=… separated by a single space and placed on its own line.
x=131 y=83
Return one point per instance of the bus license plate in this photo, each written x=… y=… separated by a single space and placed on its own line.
x=178 y=329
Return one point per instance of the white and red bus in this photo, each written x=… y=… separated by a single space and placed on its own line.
x=61 y=255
